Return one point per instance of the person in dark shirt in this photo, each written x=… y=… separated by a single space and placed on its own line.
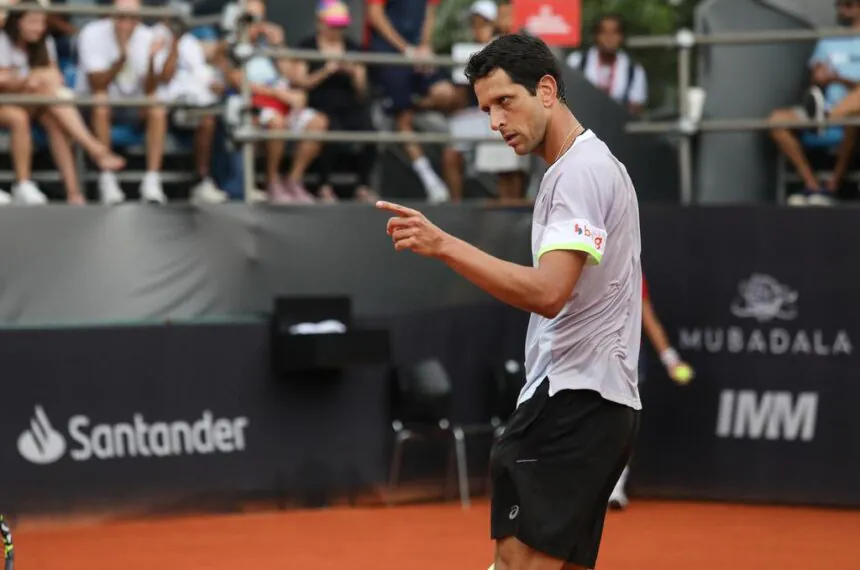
x=406 y=26
x=339 y=90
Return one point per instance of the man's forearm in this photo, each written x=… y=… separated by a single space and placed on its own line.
x=429 y=25
x=653 y=329
x=511 y=283
x=100 y=81
x=152 y=78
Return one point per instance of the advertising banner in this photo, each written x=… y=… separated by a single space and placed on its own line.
x=763 y=303
x=556 y=22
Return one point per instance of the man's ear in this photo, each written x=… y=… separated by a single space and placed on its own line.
x=547 y=90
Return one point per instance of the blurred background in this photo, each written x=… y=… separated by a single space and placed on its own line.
x=211 y=354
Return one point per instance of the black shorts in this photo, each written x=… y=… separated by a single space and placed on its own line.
x=554 y=469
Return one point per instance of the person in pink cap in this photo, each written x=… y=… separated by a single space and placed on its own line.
x=339 y=90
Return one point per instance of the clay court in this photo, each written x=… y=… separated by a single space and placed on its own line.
x=649 y=535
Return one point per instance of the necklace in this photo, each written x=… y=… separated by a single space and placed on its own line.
x=567 y=140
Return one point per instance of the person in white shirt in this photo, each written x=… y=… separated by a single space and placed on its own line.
x=28 y=65
x=187 y=76
x=609 y=68
x=278 y=105
x=468 y=119
x=117 y=60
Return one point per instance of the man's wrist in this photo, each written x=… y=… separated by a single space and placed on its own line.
x=448 y=248
x=670 y=358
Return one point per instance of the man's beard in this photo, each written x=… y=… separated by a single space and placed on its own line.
x=845 y=21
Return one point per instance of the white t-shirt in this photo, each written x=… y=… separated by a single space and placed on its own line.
x=613 y=79
x=587 y=203
x=98 y=49
x=194 y=77
x=13 y=57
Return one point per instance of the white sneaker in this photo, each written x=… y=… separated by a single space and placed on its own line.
x=28 y=193
x=207 y=192
x=437 y=191
x=5 y=198
x=109 y=190
x=618 y=498
x=797 y=200
x=821 y=199
x=151 y=190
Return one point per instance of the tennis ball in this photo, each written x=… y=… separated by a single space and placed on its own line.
x=682 y=374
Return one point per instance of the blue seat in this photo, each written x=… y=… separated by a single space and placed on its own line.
x=829 y=138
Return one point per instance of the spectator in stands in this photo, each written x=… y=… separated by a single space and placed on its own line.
x=835 y=72
x=278 y=105
x=117 y=58
x=611 y=69
x=505 y=19
x=338 y=89
x=28 y=65
x=187 y=76
x=406 y=26
x=468 y=119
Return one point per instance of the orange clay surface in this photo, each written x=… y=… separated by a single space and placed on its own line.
x=650 y=535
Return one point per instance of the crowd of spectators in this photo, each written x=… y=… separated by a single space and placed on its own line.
x=123 y=57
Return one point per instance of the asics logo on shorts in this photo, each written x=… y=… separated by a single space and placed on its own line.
x=515 y=510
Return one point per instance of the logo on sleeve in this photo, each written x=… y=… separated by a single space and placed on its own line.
x=586 y=233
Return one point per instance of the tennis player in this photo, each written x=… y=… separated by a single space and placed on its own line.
x=578 y=412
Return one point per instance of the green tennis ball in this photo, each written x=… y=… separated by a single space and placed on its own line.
x=683 y=374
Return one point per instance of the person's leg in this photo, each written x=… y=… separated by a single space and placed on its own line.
x=203 y=140
x=64 y=158
x=512 y=186
x=400 y=84
x=789 y=145
x=511 y=554
x=17 y=121
x=452 y=169
x=438 y=95
x=850 y=105
x=102 y=119
x=151 y=189
x=360 y=120
x=206 y=190
x=306 y=151
x=844 y=158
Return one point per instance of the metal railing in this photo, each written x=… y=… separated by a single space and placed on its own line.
x=246 y=134
x=685 y=41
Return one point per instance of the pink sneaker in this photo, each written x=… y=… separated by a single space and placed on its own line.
x=280 y=194
x=299 y=193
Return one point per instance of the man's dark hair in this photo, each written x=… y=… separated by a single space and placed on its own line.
x=610 y=17
x=526 y=59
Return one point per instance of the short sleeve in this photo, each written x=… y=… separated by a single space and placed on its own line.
x=820 y=55
x=52 y=49
x=92 y=56
x=5 y=52
x=576 y=220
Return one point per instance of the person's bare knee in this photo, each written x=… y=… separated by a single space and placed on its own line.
x=16 y=119
x=781 y=116
x=442 y=95
x=276 y=122
x=403 y=121
x=156 y=115
x=320 y=122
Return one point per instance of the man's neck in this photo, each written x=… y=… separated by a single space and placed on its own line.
x=607 y=56
x=559 y=135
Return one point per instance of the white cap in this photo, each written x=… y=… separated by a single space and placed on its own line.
x=486 y=9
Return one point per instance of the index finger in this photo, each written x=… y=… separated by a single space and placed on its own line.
x=401 y=211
